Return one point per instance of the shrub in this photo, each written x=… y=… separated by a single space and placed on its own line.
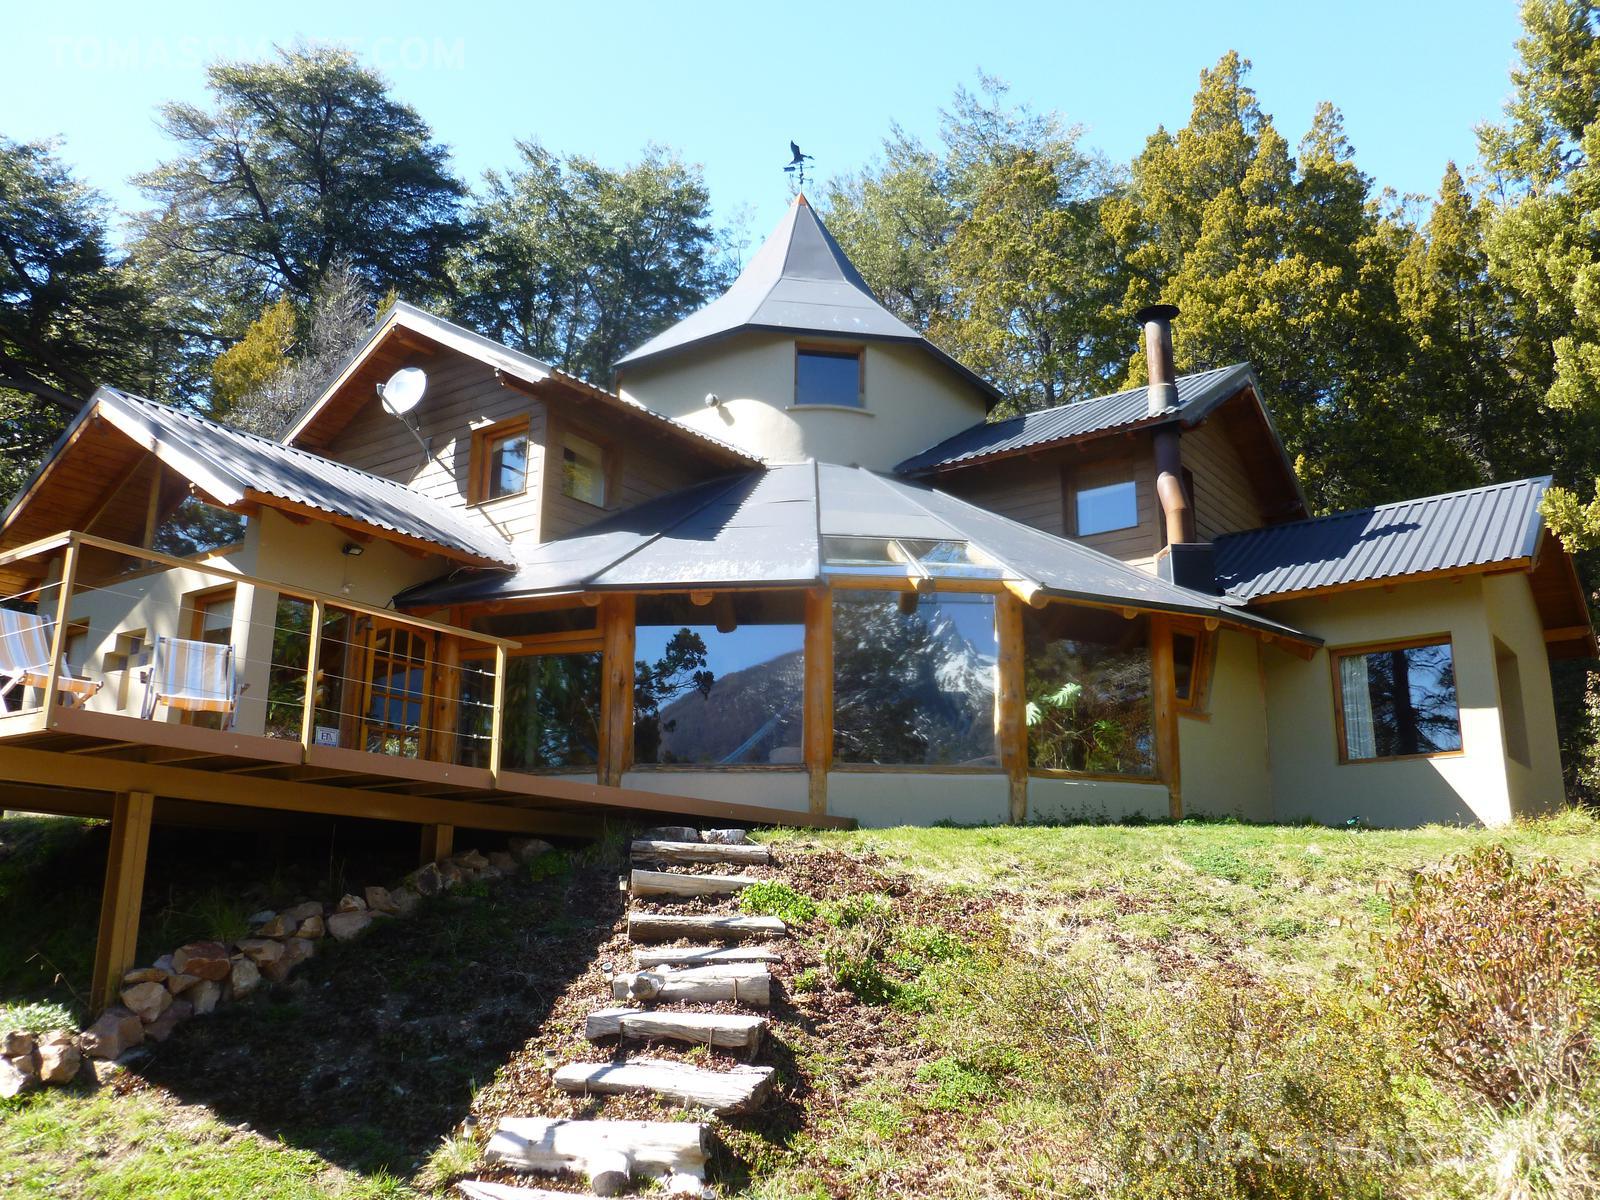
x=863 y=908
x=1496 y=967
x=773 y=899
x=809 y=980
x=956 y=1084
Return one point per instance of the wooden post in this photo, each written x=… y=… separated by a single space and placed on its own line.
x=308 y=713
x=58 y=635
x=122 y=897
x=437 y=842
x=1010 y=704
x=1163 y=686
x=497 y=712
x=616 y=688
x=817 y=724
x=444 y=711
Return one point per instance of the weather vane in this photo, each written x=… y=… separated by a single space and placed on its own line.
x=797 y=165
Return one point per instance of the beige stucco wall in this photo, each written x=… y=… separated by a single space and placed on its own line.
x=1224 y=757
x=1053 y=799
x=1535 y=785
x=912 y=401
x=775 y=789
x=878 y=799
x=1308 y=781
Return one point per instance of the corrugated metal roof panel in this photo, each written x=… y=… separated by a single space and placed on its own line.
x=1473 y=528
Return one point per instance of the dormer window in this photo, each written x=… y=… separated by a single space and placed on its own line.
x=583 y=470
x=828 y=377
x=500 y=460
x=1104 y=509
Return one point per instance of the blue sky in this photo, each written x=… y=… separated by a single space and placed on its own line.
x=729 y=84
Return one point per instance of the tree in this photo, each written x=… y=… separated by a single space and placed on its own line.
x=576 y=263
x=302 y=162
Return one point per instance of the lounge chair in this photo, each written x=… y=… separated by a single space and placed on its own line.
x=192 y=676
x=25 y=659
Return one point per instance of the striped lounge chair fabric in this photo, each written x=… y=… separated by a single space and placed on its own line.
x=25 y=657
x=191 y=676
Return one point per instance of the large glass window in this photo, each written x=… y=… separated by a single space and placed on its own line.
x=828 y=377
x=583 y=470
x=195 y=527
x=1397 y=701
x=1088 y=691
x=551 y=715
x=1103 y=509
x=500 y=460
x=913 y=678
x=722 y=683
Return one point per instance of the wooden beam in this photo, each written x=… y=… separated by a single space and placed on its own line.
x=437 y=842
x=817 y=723
x=1163 y=685
x=58 y=635
x=122 y=896
x=616 y=688
x=1010 y=704
x=1568 y=633
x=308 y=711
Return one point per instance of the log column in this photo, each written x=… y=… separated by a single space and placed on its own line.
x=1163 y=686
x=123 y=895
x=616 y=688
x=1010 y=704
x=818 y=719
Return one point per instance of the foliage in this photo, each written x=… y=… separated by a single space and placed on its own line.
x=956 y=1085
x=680 y=670
x=772 y=898
x=1496 y=964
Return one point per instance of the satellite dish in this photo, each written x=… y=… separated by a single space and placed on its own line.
x=404 y=390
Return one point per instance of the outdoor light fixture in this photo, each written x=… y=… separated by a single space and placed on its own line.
x=353 y=550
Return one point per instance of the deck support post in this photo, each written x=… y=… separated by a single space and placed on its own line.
x=437 y=842
x=817 y=723
x=122 y=897
x=616 y=688
x=1163 y=687
x=1010 y=704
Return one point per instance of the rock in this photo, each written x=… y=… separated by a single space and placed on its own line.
x=206 y=960
x=302 y=912
x=204 y=997
x=116 y=1031
x=275 y=926
x=260 y=918
x=17 y=1075
x=490 y=872
x=725 y=837
x=59 y=1058
x=245 y=976
x=148 y=1000
x=405 y=901
x=261 y=950
x=379 y=900
x=502 y=860
x=528 y=849
x=161 y=1030
x=451 y=874
x=670 y=833
x=16 y=1044
x=426 y=880
x=346 y=925
x=349 y=904
x=144 y=975
x=295 y=952
x=471 y=860
x=311 y=928
x=178 y=984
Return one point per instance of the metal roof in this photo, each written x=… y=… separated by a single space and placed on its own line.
x=799 y=281
x=229 y=463
x=1198 y=394
x=1474 y=528
x=765 y=529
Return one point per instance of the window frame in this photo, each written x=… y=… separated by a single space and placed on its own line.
x=608 y=456
x=1338 y=653
x=827 y=350
x=483 y=440
x=199 y=603
x=1197 y=703
x=1079 y=489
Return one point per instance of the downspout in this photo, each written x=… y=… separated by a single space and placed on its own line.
x=1163 y=399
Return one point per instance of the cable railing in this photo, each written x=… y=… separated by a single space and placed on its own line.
x=199 y=643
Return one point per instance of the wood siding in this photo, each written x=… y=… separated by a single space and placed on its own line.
x=1026 y=490
x=1225 y=499
x=1116 y=462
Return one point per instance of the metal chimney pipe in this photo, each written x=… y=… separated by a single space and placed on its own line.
x=1157 y=322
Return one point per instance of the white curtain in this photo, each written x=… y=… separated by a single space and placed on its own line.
x=1356 y=692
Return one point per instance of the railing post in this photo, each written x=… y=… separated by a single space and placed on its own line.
x=58 y=635
x=817 y=723
x=495 y=714
x=1163 y=685
x=308 y=714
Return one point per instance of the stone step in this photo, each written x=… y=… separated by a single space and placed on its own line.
x=734 y=1090
x=665 y=883
x=609 y=1153
x=682 y=853
x=728 y=1031
x=645 y=957
x=742 y=983
x=668 y=927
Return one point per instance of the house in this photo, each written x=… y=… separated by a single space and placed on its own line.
x=784 y=569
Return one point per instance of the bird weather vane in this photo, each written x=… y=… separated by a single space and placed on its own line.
x=797 y=165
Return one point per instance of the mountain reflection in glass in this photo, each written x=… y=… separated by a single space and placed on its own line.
x=913 y=685
x=1399 y=702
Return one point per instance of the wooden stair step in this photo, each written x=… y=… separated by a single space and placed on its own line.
x=733 y=1090
x=610 y=1153
x=669 y=927
x=698 y=852
x=665 y=883
x=730 y=1031
x=742 y=983
x=645 y=957
x=484 y=1189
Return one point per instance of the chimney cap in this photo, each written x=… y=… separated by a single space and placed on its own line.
x=1156 y=312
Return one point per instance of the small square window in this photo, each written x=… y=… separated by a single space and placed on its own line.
x=507 y=465
x=828 y=377
x=583 y=474
x=1104 y=509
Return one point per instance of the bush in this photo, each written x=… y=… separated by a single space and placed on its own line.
x=772 y=899
x=956 y=1085
x=1496 y=967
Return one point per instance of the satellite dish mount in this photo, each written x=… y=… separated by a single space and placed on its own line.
x=402 y=393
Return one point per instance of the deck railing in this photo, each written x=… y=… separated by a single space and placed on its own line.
x=338 y=676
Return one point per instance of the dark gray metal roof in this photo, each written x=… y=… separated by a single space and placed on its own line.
x=1198 y=394
x=1474 y=528
x=765 y=529
x=799 y=281
x=227 y=463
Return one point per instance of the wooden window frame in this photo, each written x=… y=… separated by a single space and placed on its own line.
x=831 y=350
x=482 y=439
x=610 y=465
x=1197 y=703
x=1335 y=653
x=198 y=602
x=1076 y=490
